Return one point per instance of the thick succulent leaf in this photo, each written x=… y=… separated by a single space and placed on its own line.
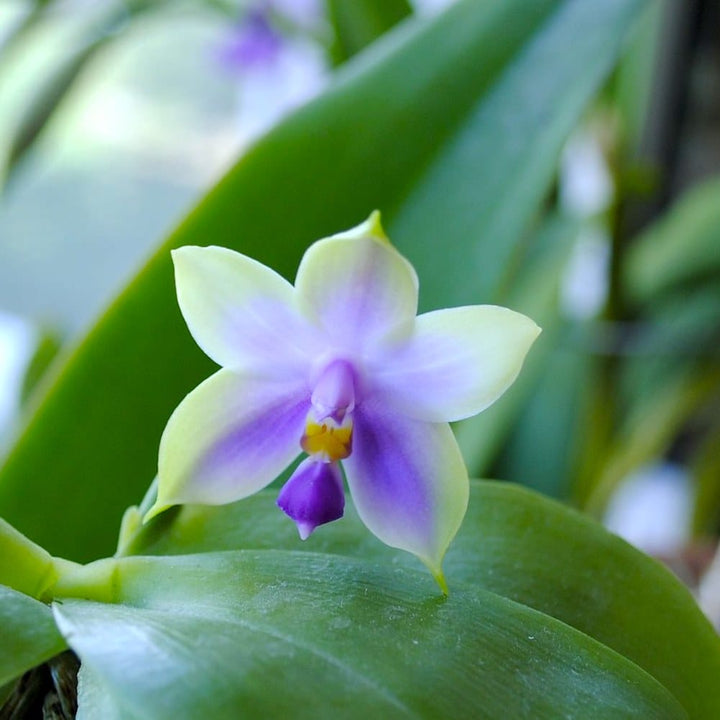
x=304 y=635
x=94 y=700
x=518 y=545
x=28 y=634
x=458 y=174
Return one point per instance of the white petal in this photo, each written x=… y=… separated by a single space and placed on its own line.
x=456 y=363
x=241 y=313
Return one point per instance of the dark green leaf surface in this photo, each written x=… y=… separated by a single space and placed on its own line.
x=706 y=472
x=28 y=635
x=357 y=23
x=304 y=635
x=451 y=128
x=518 y=545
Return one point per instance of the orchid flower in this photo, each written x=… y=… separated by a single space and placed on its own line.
x=340 y=367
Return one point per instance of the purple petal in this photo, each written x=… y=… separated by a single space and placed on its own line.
x=229 y=438
x=408 y=481
x=313 y=495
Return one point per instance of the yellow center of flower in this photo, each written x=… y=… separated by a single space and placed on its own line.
x=328 y=439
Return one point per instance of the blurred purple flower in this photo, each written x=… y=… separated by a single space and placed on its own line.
x=254 y=42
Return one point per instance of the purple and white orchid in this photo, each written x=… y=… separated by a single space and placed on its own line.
x=340 y=367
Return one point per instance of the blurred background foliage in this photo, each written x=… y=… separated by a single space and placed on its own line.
x=116 y=117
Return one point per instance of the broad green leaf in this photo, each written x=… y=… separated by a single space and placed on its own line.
x=28 y=635
x=680 y=250
x=94 y=700
x=451 y=128
x=357 y=23
x=304 y=635
x=516 y=544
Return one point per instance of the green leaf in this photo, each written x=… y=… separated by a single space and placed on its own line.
x=357 y=23
x=28 y=632
x=46 y=101
x=46 y=349
x=706 y=471
x=543 y=447
x=652 y=425
x=94 y=700
x=303 y=635
x=533 y=289
x=452 y=128
x=680 y=250
x=516 y=544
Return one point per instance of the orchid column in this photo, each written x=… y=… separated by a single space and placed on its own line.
x=340 y=367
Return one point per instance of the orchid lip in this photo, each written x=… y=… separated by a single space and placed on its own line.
x=313 y=495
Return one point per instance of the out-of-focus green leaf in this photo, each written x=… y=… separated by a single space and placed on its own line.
x=305 y=635
x=516 y=544
x=678 y=251
x=46 y=351
x=47 y=91
x=706 y=471
x=681 y=328
x=534 y=291
x=633 y=81
x=42 y=106
x=28 y=635
x=651 y=425
x=357 y=23
x=452 y=128
x=547 y=436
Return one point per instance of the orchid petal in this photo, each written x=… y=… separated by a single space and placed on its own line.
x=408 y=481
x=229 y=438
x=456 y=363
x=241 y=312
x=357 y=286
